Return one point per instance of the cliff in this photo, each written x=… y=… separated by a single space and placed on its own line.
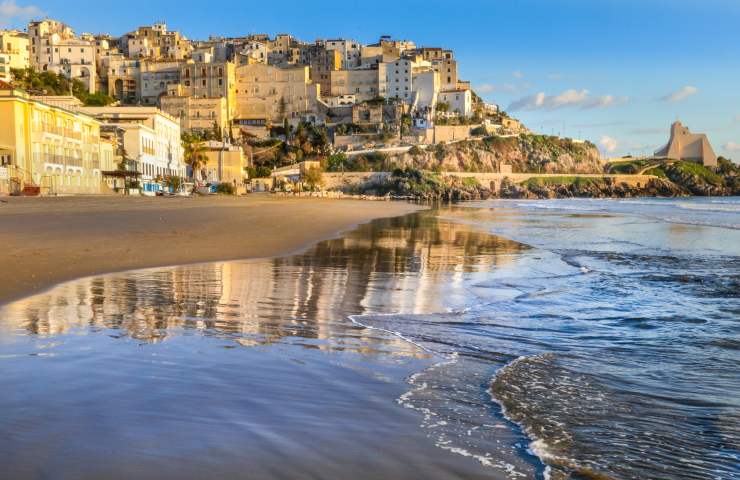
x=527 y=153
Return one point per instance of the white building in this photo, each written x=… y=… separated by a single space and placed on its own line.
x=426 y=85
x=151 y=138
x=55 y=48
x=400 y=77
x=350 y=50
x=460 y=102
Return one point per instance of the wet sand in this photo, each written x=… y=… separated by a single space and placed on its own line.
x=46 y=241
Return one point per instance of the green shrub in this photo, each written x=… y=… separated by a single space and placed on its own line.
x=225 y=189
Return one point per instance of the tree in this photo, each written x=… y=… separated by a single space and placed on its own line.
x=195 y=156
x=336 y=162
x=313 y=178
x=320 y=140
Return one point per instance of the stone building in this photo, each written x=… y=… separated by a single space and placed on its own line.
x=265 y=92
x=196 y=114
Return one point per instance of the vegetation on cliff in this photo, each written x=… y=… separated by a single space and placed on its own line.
x=424 y=185
x=49 y=83
x=525 y=154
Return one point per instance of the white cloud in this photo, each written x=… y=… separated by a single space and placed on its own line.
x=608 y=144
x=517 y=74
x=485 y=88
x=11 y=11
x=731 y=147
x=568 y=98
x=680 y=95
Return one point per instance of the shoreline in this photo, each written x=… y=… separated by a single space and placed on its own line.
x=52 y=240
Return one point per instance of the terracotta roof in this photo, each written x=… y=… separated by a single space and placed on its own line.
x=6 y=86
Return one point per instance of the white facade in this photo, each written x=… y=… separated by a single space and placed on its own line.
x=350 y=50
x=399 y=76
x=426 y=86
x=151 y=138
x=460 y=102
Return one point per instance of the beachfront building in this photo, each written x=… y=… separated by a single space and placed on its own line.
x=225 y=163
x=151 y=138
x=196 y=114
x=684 y=145
x=47 y=149
x=265 y=92
x=13 y=52
x=56 y=48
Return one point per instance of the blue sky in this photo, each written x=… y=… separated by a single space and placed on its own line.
x=617 y=72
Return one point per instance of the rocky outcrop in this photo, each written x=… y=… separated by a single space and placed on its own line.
x=604 y=188
x=701 y=181
x=527 y=153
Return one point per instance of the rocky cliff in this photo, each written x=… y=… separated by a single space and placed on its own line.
x=527 y=153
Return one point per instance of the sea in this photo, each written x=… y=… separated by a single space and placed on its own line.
x=545 y=339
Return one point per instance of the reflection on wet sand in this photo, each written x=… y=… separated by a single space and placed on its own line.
x=409 y=264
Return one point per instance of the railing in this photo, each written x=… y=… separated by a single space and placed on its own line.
x=58 y=159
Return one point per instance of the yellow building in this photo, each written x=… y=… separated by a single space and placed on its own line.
x=47 y=149
x=225 y=164
x=13 y=52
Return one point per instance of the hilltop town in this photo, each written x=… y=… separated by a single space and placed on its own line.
x=154 y=112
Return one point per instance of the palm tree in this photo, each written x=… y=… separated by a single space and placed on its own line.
x=195 y=156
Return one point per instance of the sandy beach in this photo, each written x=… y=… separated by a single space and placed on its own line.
x=51 y=240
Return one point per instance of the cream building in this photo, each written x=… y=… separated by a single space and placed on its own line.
x=196 y=114
x=151 y=138
x=155 y=77
x=5 y=67
x=14 y=52
x=47 y=148
x=265 y=92
x=156 y=42
x=364 y=84
x=225 y=163
x=55 y=48
x=122 y=77
x=207 y=79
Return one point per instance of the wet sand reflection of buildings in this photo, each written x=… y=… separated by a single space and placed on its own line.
x=407 y=265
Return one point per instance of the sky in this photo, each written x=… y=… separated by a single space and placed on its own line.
x=616 y=72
